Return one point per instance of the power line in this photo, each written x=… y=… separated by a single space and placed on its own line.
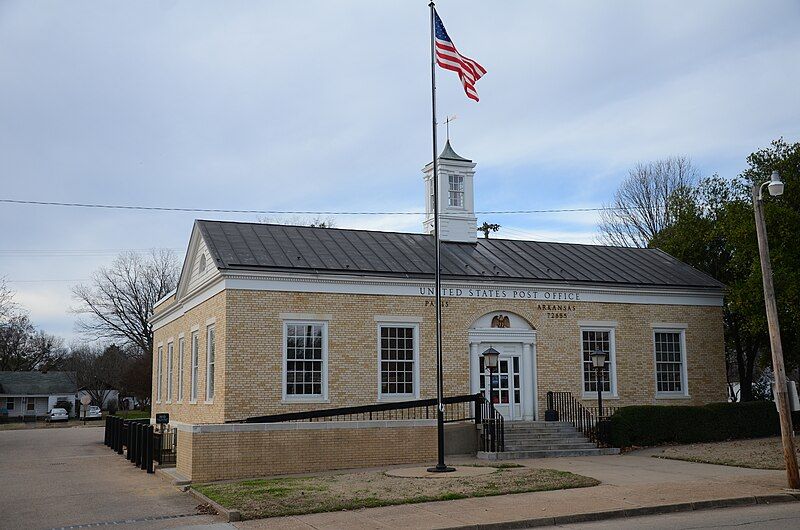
x=281 y=212
x=49 y=280
x=56 y=253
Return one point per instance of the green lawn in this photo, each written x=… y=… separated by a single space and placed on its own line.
x=349 y=491
x=133 y=414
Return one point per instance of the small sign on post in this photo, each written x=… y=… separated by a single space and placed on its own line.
x=162 y=418
x=85 y=401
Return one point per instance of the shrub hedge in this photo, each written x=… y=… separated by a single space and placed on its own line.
x=646 y=425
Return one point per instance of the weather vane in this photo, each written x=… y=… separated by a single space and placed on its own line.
x=447 y=124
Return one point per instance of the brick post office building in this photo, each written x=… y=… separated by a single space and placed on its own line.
x=269 y=319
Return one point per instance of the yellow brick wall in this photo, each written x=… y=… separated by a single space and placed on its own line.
x=234 y=455
x=200 y=411
x=251 y=354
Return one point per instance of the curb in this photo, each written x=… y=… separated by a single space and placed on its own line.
x=229 y=515
x=636 y=512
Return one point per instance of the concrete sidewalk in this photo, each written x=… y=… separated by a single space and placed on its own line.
x=636 y=483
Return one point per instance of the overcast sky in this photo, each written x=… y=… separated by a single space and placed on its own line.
x=321 y=105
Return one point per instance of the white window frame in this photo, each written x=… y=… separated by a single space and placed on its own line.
x=194 y=346
x=170 y=355
x=295 y=398
x=159 y=360
x=211 y=365
x=399 y=324
x=451 y=192
x=181 y=365
x=612 y=345
x=681 y=330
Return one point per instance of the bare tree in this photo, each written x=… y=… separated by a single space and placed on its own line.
x=24 y=348
x=645 y=202
x=6 y=301
x=118 y=302
x=97 y=371
x=317 y=222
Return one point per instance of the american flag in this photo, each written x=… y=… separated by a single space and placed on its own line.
x=447 y=57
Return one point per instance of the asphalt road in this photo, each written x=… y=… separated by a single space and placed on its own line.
x=53 y=478
x=761 y=517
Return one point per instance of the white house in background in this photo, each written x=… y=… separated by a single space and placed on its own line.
x=35 y=393
x=110 y=396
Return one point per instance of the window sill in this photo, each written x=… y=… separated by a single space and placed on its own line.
x=192 y=402
x=396 y=397
x=208 y=402
x=673 y=396
x=593 y=397
x=286 y=401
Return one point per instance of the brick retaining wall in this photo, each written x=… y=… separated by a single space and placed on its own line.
x=234 y=451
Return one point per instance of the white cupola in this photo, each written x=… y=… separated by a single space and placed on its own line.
x=457 y=221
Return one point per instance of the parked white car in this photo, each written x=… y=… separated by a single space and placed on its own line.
x=57 y=415
x=93 y=413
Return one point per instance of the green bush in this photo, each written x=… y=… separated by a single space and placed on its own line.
x=646 y=425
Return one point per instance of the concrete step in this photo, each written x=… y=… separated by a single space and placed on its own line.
x=549 y=447
x=538 y=424
x=513 y=455
x=560 y=428
x=543 y=435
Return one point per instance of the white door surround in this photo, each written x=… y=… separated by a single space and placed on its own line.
x=520 y=337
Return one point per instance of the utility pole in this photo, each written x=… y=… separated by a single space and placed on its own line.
x=780 y=390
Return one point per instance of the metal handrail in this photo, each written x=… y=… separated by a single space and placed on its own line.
x=395 y=410
x=491 y=425
x=585 y=419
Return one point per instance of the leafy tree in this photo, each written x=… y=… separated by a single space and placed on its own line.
x=713 y=229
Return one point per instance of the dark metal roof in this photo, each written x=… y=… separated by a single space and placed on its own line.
x=449 y=154
x=37 y=383
x=255 y=246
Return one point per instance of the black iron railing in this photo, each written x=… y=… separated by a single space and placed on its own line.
x=469 y=407
x=165 y=447
x=456 y=408
x=587 y=420
x=490 y=425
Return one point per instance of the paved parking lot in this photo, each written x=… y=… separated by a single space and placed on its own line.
x=53 y=478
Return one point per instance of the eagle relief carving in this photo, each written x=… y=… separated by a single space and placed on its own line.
x=501 y=321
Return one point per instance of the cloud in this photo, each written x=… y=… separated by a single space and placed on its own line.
x=326 y=106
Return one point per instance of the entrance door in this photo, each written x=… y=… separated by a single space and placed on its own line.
x=506 y=383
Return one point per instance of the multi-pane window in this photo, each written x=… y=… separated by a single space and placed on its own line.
x=456 y=190
x=169 y=372
x=669 y=361
x=159 y=360
x=398 y=357
x=305 y=359
x=591 y=340
x=181 y=351
x=195 y=365
x=10 y=403
x=210 y=360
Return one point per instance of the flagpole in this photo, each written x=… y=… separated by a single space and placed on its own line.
x=440 y=466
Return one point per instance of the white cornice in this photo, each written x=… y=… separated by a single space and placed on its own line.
x=545 y=294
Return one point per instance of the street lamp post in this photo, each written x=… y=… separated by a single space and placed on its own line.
x=775 y=187
x=599 y=362
x=490 y=361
